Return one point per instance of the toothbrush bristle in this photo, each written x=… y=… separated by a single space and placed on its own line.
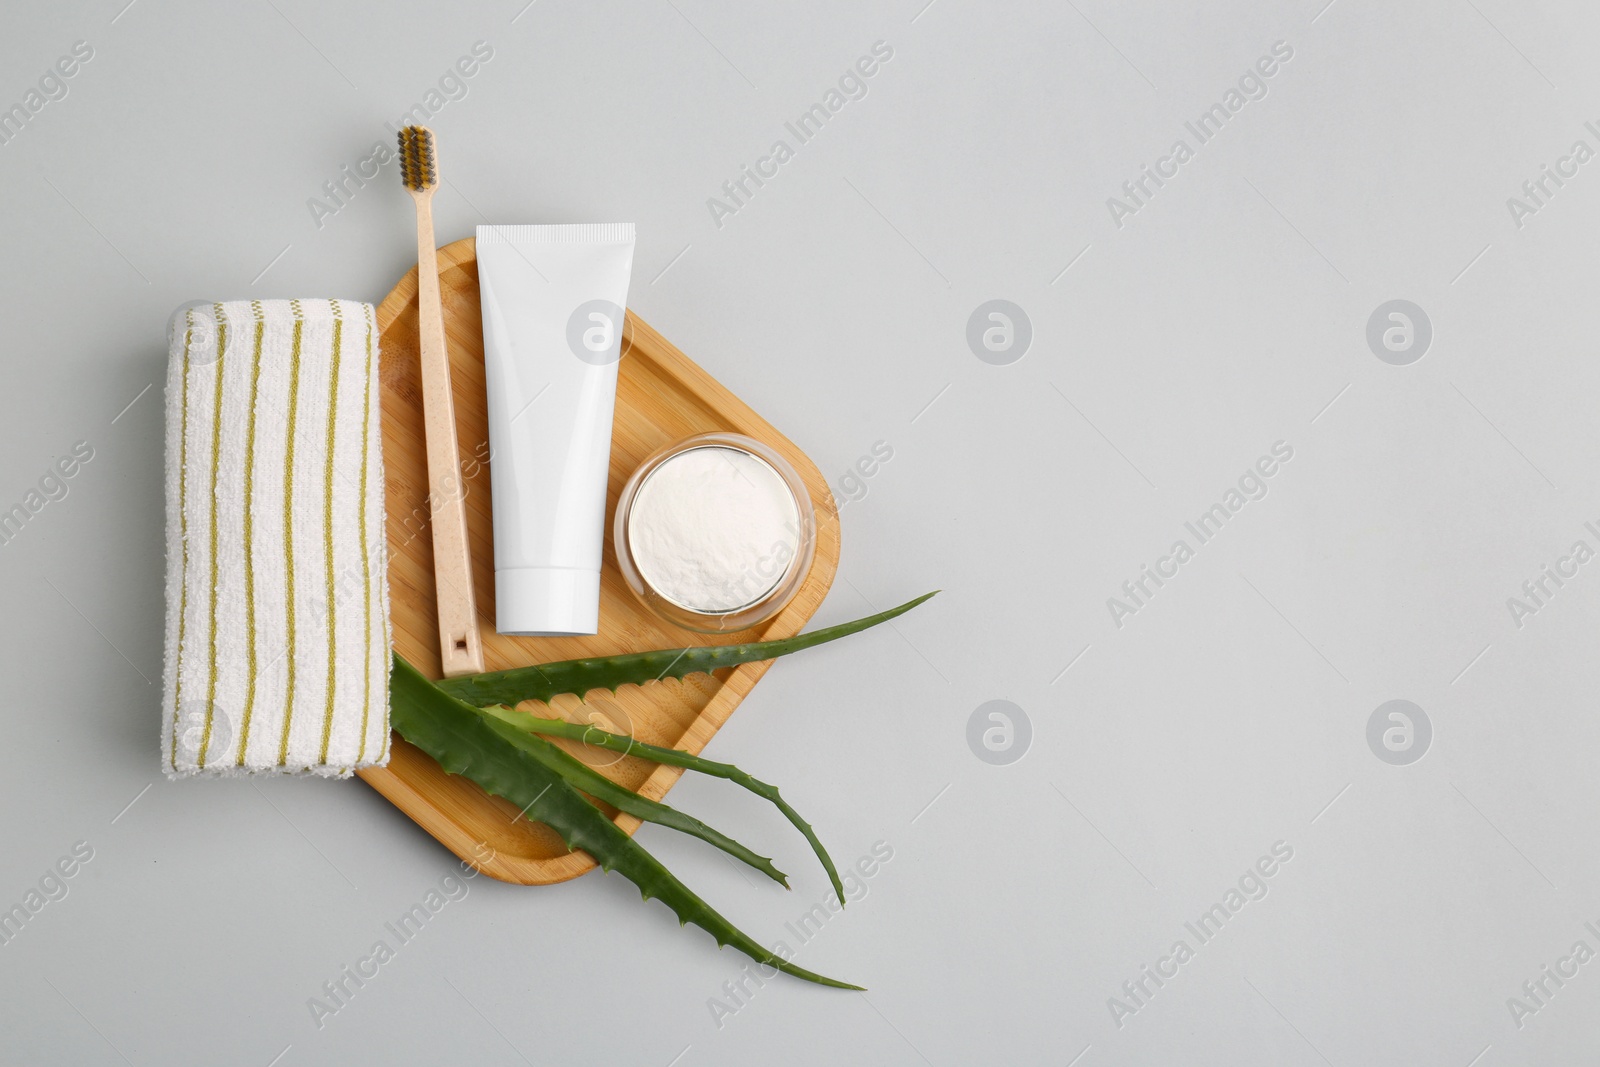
x=418 y=169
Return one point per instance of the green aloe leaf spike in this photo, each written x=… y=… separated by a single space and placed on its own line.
x=463 y=742
x=627 y=746
x=579 y=676
x=581 y=776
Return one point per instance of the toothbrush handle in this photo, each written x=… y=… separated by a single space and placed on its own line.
x=460 y=648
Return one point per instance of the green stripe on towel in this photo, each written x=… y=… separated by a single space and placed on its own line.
x=288 y=529
x=183 y=533
x=327 y=529
x=249 y=535
x=216 y=459
x=366 y=567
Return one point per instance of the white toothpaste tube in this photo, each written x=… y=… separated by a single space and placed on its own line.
x=553 y=299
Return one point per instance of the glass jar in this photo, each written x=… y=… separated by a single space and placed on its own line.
x=715 y=533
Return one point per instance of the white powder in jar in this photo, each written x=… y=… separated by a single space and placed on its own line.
x=713 y=529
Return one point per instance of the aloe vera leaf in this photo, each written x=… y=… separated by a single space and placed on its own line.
x=579 y=676
x=573 y=731
x=463 y=743
x=597 y=785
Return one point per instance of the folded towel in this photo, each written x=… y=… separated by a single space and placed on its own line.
x=277 y=642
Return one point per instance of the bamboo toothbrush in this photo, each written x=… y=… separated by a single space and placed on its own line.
x=459 y=645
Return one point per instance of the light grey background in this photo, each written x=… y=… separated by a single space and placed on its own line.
x=1167 y=754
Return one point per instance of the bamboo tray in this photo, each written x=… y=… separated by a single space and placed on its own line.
x=661 y=397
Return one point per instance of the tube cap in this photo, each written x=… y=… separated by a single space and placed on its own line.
x=547 y=601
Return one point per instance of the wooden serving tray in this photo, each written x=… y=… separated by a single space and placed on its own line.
x=661 y=397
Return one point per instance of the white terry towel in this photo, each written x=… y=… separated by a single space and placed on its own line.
x=277 y=642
